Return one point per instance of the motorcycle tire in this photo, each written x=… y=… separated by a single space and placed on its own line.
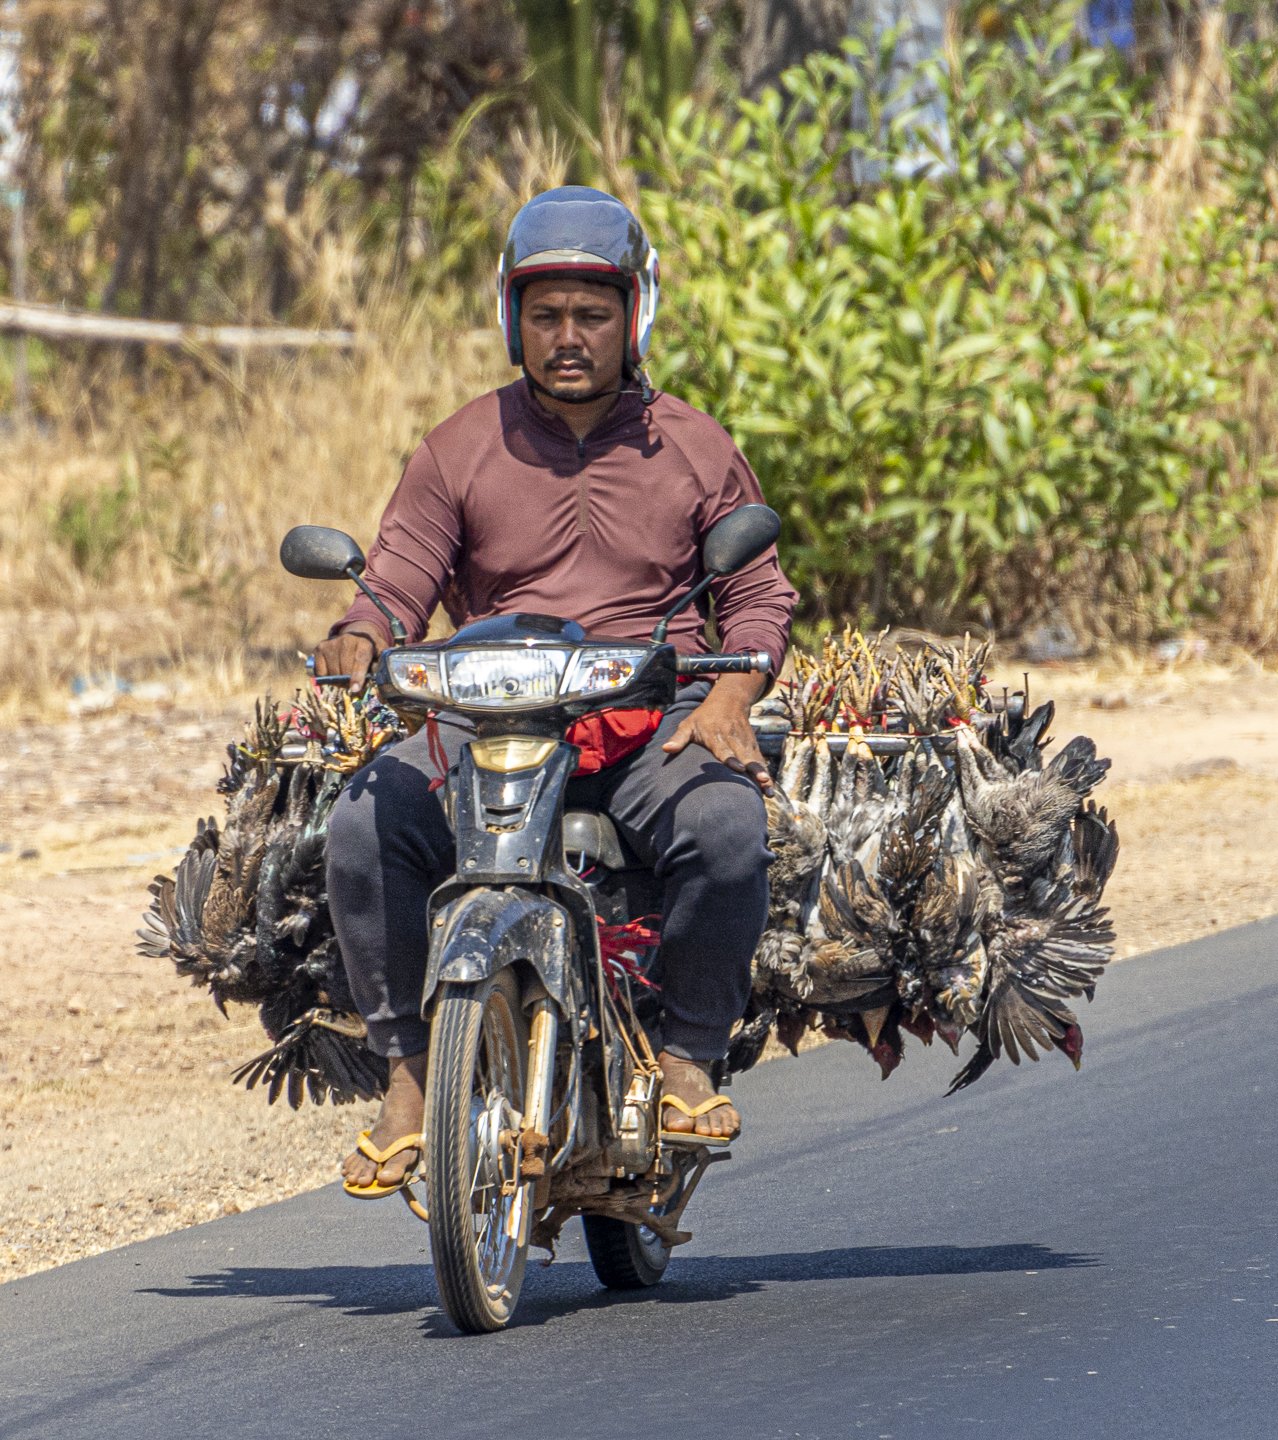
x=478 y=1239
x=624 y=1256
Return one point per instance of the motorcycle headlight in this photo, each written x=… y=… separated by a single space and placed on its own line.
x=506 y=677
x=418 y=674
x=595 y=671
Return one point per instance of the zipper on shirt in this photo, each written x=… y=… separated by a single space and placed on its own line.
x=583 y=490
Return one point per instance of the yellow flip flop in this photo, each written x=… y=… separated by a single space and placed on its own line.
x=694 y=1113
x=379 y=1157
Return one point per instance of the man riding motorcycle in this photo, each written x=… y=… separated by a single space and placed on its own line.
x=579 y=492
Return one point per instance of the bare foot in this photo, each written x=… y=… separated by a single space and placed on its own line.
x=401 y=1114
x=690 y=1081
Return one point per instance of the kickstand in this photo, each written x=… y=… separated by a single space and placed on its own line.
x=704 y=1161
x=414 y=1204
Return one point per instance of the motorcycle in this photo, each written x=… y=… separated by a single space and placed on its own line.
x=542 y=1087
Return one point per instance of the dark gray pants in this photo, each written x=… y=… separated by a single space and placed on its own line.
x=700 y=826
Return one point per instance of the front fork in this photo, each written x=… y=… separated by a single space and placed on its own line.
x=540 y=1088
x=529 y=1149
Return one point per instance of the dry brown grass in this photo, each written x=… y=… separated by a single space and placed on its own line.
x=206 y=480
x=1185 y=176
x=179 y=485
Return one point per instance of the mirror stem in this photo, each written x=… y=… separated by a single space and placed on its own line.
x=398 y=634
x=697 y=591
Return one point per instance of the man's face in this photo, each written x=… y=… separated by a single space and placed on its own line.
x=574 y=336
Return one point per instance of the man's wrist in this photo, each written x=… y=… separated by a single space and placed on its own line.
x=366 y=630
x=738 y=691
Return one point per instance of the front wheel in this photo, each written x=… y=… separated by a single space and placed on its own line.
x=475 y=1082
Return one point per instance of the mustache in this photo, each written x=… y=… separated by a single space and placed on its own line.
x=579 y=361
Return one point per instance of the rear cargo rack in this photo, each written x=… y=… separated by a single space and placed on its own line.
x=772 y=737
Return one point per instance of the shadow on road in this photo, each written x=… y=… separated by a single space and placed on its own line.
x=397 y=1289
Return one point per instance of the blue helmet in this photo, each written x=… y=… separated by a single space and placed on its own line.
x=577 y=232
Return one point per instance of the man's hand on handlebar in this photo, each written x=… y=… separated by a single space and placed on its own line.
x=350 y=653
x=721 y=723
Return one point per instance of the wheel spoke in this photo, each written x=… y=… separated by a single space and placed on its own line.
x=481 y=1240
x=495 y=1069
x=493 y=1240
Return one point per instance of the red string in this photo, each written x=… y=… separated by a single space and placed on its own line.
x=435 y=748
x=617 y=946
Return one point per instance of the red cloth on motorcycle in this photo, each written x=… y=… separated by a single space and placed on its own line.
x=609 y=736
x=502 y=510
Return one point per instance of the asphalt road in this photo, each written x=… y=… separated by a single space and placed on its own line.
x=1048 y=1253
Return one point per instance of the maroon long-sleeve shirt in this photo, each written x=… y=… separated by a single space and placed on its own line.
x=503 y=510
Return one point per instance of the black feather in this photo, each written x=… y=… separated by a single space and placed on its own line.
x=1078 y=767
x=310 y=1057
x=974 y=1069
x=747 y=1044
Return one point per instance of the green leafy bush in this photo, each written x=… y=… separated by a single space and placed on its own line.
x=962 y=381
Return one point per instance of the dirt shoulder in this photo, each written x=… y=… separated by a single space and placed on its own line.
x=117 y=1118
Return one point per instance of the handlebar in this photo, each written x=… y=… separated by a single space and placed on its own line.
x=744 y=662
x=739 y=662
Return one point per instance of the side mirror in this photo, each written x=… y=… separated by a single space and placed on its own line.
x=740 y=537
x=314 y=552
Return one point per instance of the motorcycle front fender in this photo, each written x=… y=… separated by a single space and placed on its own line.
x=481 y=931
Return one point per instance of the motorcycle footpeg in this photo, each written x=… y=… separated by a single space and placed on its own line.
x=678 y=1140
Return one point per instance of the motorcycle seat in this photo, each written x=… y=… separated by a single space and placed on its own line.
x=592 y=834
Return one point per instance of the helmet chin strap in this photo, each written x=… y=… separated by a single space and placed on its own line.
x=644 y=388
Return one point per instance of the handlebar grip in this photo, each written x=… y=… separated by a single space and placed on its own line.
x=325 y=679
x=743 y=662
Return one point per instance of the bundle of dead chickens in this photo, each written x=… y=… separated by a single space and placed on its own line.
x=934 y=875
x=247 y=912
x=939 y=877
